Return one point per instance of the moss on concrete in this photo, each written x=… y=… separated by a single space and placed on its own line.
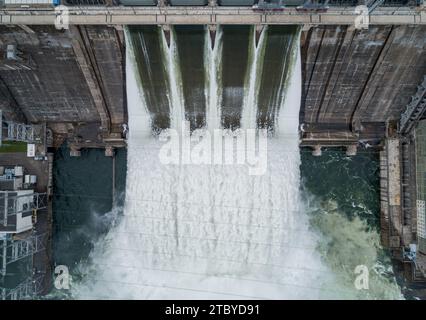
x=13 y=146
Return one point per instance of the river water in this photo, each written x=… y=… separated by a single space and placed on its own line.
x=297 y=230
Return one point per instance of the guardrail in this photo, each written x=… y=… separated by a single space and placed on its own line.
x=94 y=15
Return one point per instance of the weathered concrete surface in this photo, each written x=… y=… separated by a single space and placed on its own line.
x=210 y=15
x=54 y=90
x=354 y=81
x=85 y=61
x=106 y=52
x=9 y=106
x=390 y=182
x=74 y=82
x=352 y=77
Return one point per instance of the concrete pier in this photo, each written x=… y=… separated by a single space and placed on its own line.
x=316 y=152
x=391 y=214
x=351 y=150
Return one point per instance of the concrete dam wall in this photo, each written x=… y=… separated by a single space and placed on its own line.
x=73 y=81
x=354 y=81
x=354 y=78
x=354 y=87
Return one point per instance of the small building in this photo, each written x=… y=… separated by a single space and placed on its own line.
x=16 y=211
x=11 y=178
x=17 y=200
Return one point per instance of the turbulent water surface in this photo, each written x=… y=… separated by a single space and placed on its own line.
x=214 y=230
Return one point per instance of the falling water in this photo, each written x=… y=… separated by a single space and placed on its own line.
x=211 y=231
x=177 y=110
x=212 y=67
x=208 y=231
x=249 y=112
x=136 y=103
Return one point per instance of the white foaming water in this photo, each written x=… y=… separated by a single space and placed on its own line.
x=288 y=118
x=140 y=121
x=213 y=94
x=209 y=231
x=249 y=112
x=177 y=112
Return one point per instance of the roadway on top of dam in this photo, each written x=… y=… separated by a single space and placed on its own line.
x=95 y=15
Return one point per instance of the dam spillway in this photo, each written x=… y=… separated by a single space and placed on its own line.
x=355 y=86
x=213 y=231
x=195 y=230
x=243 y=81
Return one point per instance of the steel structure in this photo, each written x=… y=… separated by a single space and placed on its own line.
x=123 y=15
x=23 y=248
x=15 y=250
x=414 y=111
x=20 y=132
x=1 y=127
x=27 y=289
x=372 y=5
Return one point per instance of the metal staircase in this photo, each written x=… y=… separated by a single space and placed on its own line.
x=15 y=250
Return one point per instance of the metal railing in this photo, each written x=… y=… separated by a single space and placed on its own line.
x=26 y=290
x=20 y=249
x=414 y=109
x=15 y=250
x=372 y=5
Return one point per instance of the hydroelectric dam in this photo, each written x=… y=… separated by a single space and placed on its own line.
x=182 y=88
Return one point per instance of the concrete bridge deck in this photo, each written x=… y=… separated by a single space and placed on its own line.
x=95 y=15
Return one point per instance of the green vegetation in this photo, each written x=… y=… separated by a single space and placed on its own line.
x=13 y=146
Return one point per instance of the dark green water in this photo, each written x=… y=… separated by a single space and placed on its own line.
x=341 y=195
x=351 y=184
x=82 y=201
